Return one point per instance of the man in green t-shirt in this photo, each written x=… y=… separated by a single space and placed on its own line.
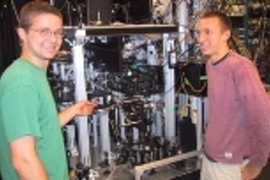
x=32 y=146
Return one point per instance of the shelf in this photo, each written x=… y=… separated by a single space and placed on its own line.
x=122 y=30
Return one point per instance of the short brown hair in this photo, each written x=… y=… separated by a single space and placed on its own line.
x=223 y=18
x=33 y=9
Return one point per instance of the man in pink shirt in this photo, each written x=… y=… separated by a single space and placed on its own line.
x=237 y=139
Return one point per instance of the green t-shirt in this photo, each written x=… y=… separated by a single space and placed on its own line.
x=27 y=108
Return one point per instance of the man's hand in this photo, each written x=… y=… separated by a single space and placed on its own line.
x=250 y=172
x=84 y=108
x=81 y=108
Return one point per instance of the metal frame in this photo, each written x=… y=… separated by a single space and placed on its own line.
x=139 y=170
x=80 y=94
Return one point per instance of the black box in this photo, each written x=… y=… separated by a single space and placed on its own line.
x=101 y=7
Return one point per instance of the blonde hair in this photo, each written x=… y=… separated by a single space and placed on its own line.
x=33 y=9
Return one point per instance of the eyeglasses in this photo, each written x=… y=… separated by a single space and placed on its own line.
x=46 y=32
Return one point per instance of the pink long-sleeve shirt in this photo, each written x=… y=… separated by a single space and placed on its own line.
x=239 y=112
